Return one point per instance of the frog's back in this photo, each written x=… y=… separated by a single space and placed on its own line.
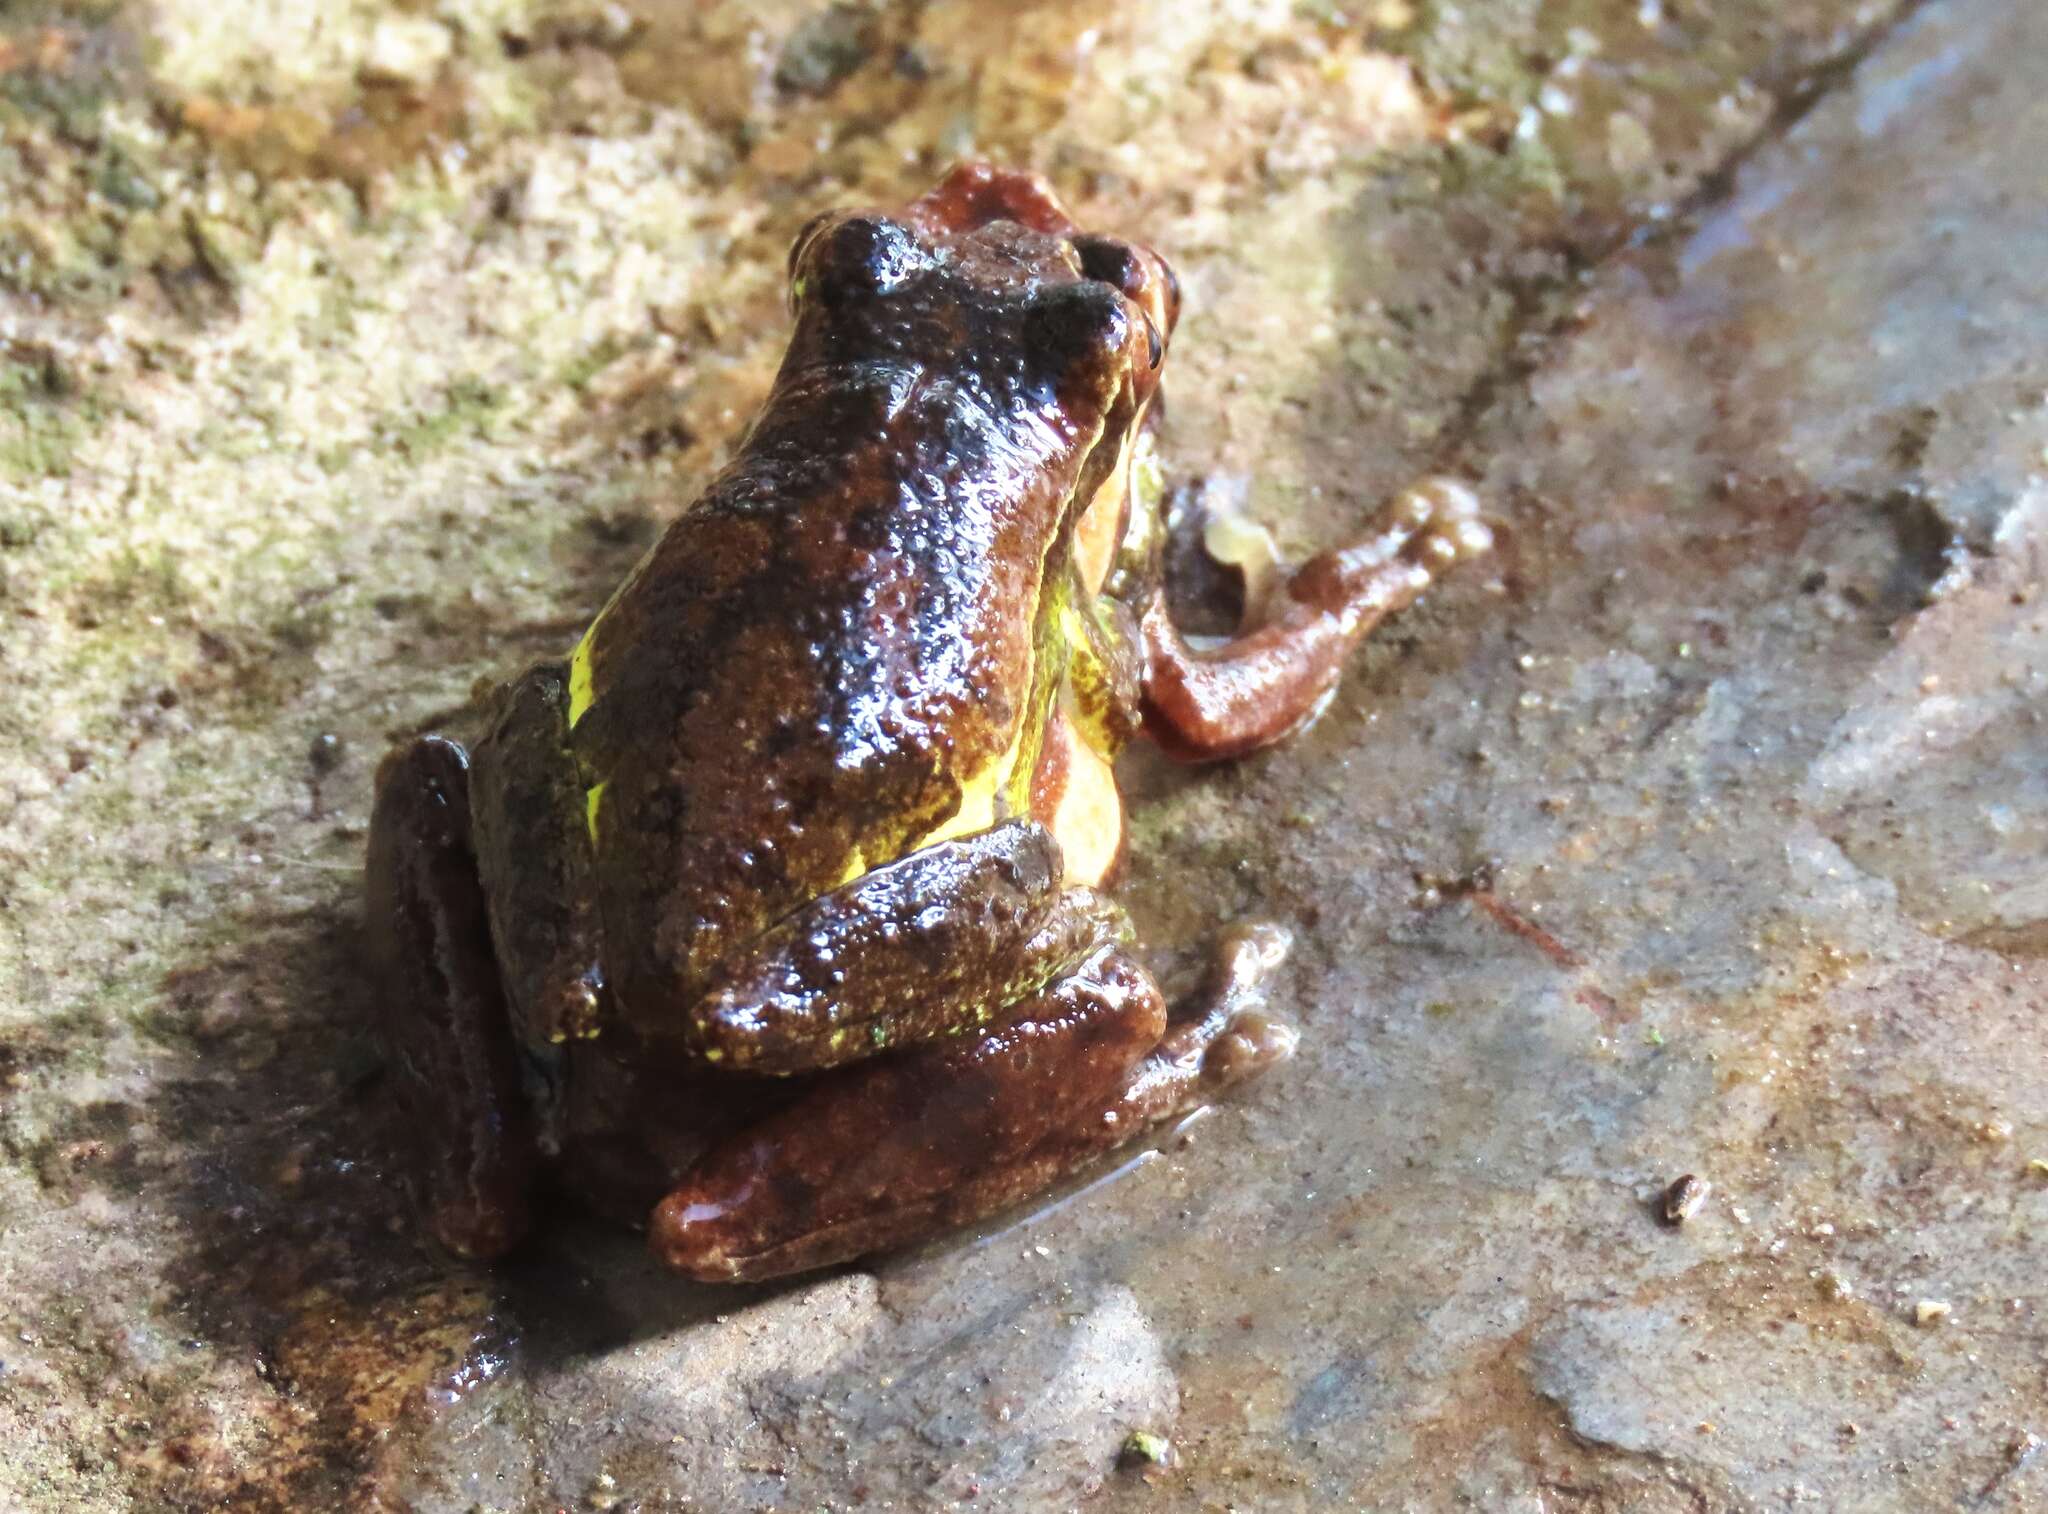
x=817 y=661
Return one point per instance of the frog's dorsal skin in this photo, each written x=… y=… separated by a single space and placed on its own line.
x=863 y=559
x=826 y=790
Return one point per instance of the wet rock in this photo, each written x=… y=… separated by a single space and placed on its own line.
x=698 y=1411
x=1701 y=835
x=1032 y=1397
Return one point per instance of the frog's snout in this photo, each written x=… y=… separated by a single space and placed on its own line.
x=972 y=195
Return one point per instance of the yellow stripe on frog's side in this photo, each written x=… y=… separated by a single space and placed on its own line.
x=581 y=693
x=856 y=866
x=582 y=680
x=580 y=699
x=978 y=796
x=1003 y=788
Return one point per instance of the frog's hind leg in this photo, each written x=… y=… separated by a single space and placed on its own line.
x=1254 y=690
x=904 y=1147
x=441 y=1006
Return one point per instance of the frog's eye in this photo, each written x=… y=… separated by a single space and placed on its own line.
x=802 y=243
x=1070 y=322
x=1142 y=276
x=1113 y=262
x=1172 y=294
x=857 y=256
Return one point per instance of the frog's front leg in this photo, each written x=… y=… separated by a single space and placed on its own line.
x=1254 y=690
x=910 y=1145
x=936 y=943
x=442 y=1005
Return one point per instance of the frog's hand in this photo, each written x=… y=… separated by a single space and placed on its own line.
x=1254 y=690
x=941 y=1136
x=440 y=1004
x=936 y=943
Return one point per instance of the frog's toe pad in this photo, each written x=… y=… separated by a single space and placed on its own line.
x=1444 y=515
x=1249 y=954
x=1252 y=1044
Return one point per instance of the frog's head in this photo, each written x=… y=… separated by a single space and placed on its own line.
x=975 y=195
x=986 y=249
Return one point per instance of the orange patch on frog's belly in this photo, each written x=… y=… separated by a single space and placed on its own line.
x=1073 y=792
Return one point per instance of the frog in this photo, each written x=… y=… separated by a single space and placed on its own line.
x=776 y=918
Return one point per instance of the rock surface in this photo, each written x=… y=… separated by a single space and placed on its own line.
x=350 y=352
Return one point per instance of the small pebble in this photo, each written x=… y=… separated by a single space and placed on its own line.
x=1682 y=1200
x=1143 y=1448
x=325 y=753
x=1930 y=1311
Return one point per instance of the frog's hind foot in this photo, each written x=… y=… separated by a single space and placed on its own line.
x=1227 y=1037
x=440 y=1004
x=941 y=1135
x=1424 y=531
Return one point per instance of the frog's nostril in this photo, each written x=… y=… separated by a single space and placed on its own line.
x=1156 y=347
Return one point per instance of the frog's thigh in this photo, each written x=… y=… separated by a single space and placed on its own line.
x=883 y=1153
x=533 y=848
x=940 y=942
x=441 y=1007
x=941 y=1136
x=1254 y=690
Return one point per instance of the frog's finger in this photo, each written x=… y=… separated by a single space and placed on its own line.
x=442 y=1006
x=937 y=943
x=916 y=1143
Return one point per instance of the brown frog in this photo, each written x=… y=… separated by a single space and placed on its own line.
x=770 y=917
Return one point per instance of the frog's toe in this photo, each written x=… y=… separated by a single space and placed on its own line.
x=1231 y=1037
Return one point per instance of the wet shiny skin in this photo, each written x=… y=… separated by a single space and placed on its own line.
x=773 y=910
